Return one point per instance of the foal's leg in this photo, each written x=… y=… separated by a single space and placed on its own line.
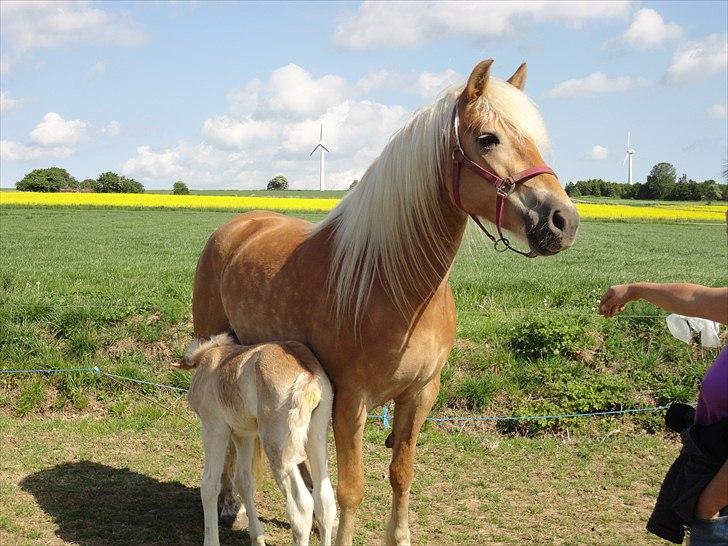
x=215 y=438
x=245 y=484
x=409 y=416
x=317 y=453
x=299 y=503
x=232 y=512
x=350 y=415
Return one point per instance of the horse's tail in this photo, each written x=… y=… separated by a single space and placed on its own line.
x=199 y=346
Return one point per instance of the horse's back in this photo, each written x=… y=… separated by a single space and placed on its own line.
x=249 y=264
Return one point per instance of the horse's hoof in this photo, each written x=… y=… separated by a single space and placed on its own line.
x=389 y=442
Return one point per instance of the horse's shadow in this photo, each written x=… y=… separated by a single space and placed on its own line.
x=94 y=505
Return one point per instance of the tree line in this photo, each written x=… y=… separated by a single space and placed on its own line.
x=661 y=183
x=55 y=179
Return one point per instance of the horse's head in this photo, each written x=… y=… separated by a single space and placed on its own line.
x=500 y=131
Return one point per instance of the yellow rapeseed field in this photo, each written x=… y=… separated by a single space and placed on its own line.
x=671 y=212
x=166 y=201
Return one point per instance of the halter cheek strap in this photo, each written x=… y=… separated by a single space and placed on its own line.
x=504 y=187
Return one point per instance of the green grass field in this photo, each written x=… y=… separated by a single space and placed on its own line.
x=310 y=194
x=113 y=288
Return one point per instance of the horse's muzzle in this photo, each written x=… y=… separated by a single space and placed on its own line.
x=555 y=229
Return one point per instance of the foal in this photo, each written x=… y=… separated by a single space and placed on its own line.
x=274 y=394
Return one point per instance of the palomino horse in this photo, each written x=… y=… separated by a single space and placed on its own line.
x=367 y=288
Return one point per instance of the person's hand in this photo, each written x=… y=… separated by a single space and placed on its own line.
x=614 y=299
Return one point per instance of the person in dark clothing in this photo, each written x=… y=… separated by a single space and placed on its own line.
x=694 y=494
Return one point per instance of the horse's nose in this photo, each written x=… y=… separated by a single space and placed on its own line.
x=563 y=222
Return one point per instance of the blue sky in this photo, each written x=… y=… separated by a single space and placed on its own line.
x=227 y=95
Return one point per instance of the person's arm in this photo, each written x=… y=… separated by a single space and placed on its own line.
x=715 y=495
x=691 y=300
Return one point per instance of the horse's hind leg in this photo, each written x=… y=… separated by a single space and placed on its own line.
x=215 y=437
x=245 y=484
x=409 y=416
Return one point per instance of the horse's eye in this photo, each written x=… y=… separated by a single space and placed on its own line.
x=488 y=141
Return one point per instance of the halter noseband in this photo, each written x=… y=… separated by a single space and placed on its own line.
x=504 y=187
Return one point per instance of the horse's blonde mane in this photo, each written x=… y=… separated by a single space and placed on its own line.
x=390 y=228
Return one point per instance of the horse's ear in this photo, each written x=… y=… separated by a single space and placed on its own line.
x=519 y=77
x=478 y=80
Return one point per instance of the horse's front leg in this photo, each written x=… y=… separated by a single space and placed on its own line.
x=409 y=415
x=349 y=418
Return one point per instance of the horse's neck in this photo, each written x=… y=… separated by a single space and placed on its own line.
x=454 y=223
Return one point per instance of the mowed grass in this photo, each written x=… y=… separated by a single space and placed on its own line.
x=113 y=288
x=135 y=480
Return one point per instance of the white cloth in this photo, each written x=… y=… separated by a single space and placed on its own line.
x=682 y=328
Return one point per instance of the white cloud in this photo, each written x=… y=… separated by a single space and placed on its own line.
x=7 y=103
x=230 y=133
x=718 y=111
x=698 y=60
x=379 y=79
x=112 y=129
x=594 y=84
x=98 y=69
x=253 y=142
x=598 y=153
x=648 y=30
x=244 y=100
x=17 y=151
x=4 y=63
x=392 y=24
x=32 y=25
x=430 y=84
x=200 y=165
x=292 y=90
x=53 y=130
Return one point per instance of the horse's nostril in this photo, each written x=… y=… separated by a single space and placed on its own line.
x=558 y=220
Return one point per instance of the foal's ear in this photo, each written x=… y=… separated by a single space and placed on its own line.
x=519 y=77
x=478 y=80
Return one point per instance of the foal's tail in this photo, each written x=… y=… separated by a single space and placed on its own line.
x=305 y=396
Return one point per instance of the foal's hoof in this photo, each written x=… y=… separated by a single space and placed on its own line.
x=389 y=442
x=231 y=513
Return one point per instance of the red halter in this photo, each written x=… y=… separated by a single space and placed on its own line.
x=504 y=187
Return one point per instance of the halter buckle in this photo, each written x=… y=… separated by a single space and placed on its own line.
x=506 y=187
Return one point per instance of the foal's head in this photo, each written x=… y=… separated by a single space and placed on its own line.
x=501 y=130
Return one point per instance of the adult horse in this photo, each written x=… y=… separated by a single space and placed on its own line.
x=367 y=288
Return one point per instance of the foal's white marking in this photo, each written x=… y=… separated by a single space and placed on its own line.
x=275 y=395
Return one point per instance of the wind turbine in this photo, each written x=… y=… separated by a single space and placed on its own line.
x=628 y=155
x=321 y=144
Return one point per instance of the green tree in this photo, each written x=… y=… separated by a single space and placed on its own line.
x=660 y=181
x=683 y=179
x=353 y=184
x=180 y=188
x=110 y=182
x=89 y=184
x=50 y=179
x=710 y=191
x=277 y=183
